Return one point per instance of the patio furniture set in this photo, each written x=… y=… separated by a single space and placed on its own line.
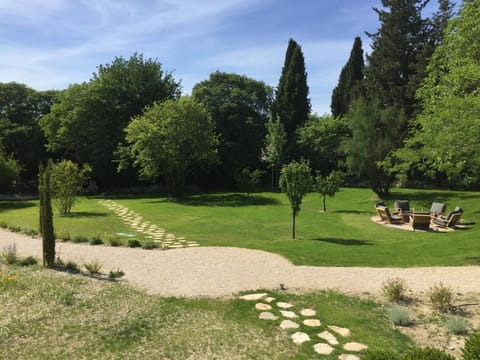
x=419 y=220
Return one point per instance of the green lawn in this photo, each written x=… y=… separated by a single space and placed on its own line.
x=343 y=236
x=52 y=315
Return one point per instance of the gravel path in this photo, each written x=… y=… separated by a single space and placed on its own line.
x=222 y=271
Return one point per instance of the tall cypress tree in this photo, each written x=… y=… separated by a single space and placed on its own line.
x=348 y=82
x=292 y=104
x=46 y=215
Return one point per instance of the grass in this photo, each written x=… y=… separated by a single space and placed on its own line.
x=97 y=319
x=343 y=236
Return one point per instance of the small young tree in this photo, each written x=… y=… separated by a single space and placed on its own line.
x=274 y=143
x=328 y=185
x=46 y=215
x=296 y=182
x=248 y=180
x=68 y=179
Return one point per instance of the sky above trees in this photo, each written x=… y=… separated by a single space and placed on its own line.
x=54 y=43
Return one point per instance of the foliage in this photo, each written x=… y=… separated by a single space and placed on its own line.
x=441 y=297
x=80 y=239
x=27 y=261
x=168 y=139
x=394 y=289
x=96 y=240
x=46 y=214
x=248 y=180
x=9 y=172
x=133 y=243
x=457 y=325
x=296 y=182
x=350 y=76
x=328 y=185
x=275 y=140
x=149 y=245
x=427 y=354
x=9 y=254
x=114 y=240
x=471 y=350
x=239 y=107
x=320 y=140
x=68 y=181
x=93 y=267
x=379 y=355
x=88 y=123
x=7 y=279
x=72 y=266
x=116 y=274
x=444 y=139
x=67 y=298
x=292 y=104
x=398 y=315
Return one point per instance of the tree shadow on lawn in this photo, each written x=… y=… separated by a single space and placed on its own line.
x=84 y=214
x=473 y=260
x=223 y=200
x=427 y=197
x=345 y=242
x=353 y=211
x=16 y=205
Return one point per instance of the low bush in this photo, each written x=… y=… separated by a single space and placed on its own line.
x=457 y=325
x=31 y=232
x=93 y=267
x=9 y=254
x=96 y=240
x=133 y=243
x=149 y=245
x=116 y=274
x=114 y=241
x=441 y=297
x=398 y=315
x=80 y=239
x=72 y=266
x=427 y=354
x=27 y=261
x=394 y=289
x=471 y=350
x=15 y=229
x=63 y=235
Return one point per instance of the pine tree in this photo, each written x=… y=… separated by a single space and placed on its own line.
x=46 y=215
x=348 y=82
x=292 y=104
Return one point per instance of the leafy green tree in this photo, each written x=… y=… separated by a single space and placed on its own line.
x=350 y=76
x=239 y=107
x=248 y=180
x=67 y=180
x=292 y=104
x=320 y=140
x=274 y=145
x=9 y=172
x=46 y=215
x=445 y=136
x=88 y=123
x=168 y=139
x=296 y=182
x=328 y=185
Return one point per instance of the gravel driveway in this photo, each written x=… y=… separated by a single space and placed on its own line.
x=223 y=271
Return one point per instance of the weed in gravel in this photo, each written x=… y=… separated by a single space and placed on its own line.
x=394 y=289
x=441 y=297
x=9 y=254
x=116 y=274
x=71 y=266
x=93 y=267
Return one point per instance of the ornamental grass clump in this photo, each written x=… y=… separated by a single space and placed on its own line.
x=398 y=315
x=9 y=254
x=441 y=297
x=457 y=325
x=394 y=289
x=93 y=267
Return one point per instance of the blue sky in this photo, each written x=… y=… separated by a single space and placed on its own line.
x=50 y=44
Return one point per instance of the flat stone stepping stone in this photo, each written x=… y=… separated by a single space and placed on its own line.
x=348 y=357
x=300 y=337
x=323 y=349
x=269 y=299
x=262 y=307
x=266 y=315
x=308 y=312
x=289 y=324
x=192 y=245
x=284 y=305
x=253 y=297
x=355 y=346
x=176 y=246
x=340 y=331
x=328 y=337
x=312 y=322
x=288 y=314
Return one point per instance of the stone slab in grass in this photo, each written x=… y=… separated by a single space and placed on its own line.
x=355 y=346
x=288 y=314
x=312 y=322
x=308 y=312
x=269 y=299
x=288 y=324
x=263 y=307
x=329 y=337
x=340 y=330
x=300 y=337
x=323 y=349
x=253 y=297
x=348 y=357
x=266 y=315
x=284 y=305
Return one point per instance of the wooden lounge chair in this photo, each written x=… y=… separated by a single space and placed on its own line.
x=450 y=220
x=402 y=206
x=437 y=209
x=385 y=215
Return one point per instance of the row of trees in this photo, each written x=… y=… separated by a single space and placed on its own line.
x=402 y=112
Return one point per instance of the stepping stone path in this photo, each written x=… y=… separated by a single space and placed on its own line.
x=274 y=312
x=149 y=230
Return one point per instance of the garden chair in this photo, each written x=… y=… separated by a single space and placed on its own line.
x=450 y=220
x=402 y=206
x=385 y=214
x=437 y=209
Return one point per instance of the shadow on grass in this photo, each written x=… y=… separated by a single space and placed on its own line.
x=473 y=260
x=223 y=200
x=345 y=242
x=430 y=196
x=353 y=211
x=15 y=205
x=84 y=214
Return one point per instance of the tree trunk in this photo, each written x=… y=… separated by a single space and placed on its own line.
x=324 y=203
x=293 y=227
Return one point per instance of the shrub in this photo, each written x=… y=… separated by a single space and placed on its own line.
x=457 y=325
x=114 y=240
x=441 y=297
x=149 y=245
x=471 y=351
x=15 y=229
x=28 y=261
x=379 y=355
x=80 y=239
x=9 y=254
x=116 y=274
x=93 y=267
x=72 y=266
x=427 y=354
x=133 y=243
x=96 y=240
x=394 y=289
x=398 y=315
x=31 y=232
